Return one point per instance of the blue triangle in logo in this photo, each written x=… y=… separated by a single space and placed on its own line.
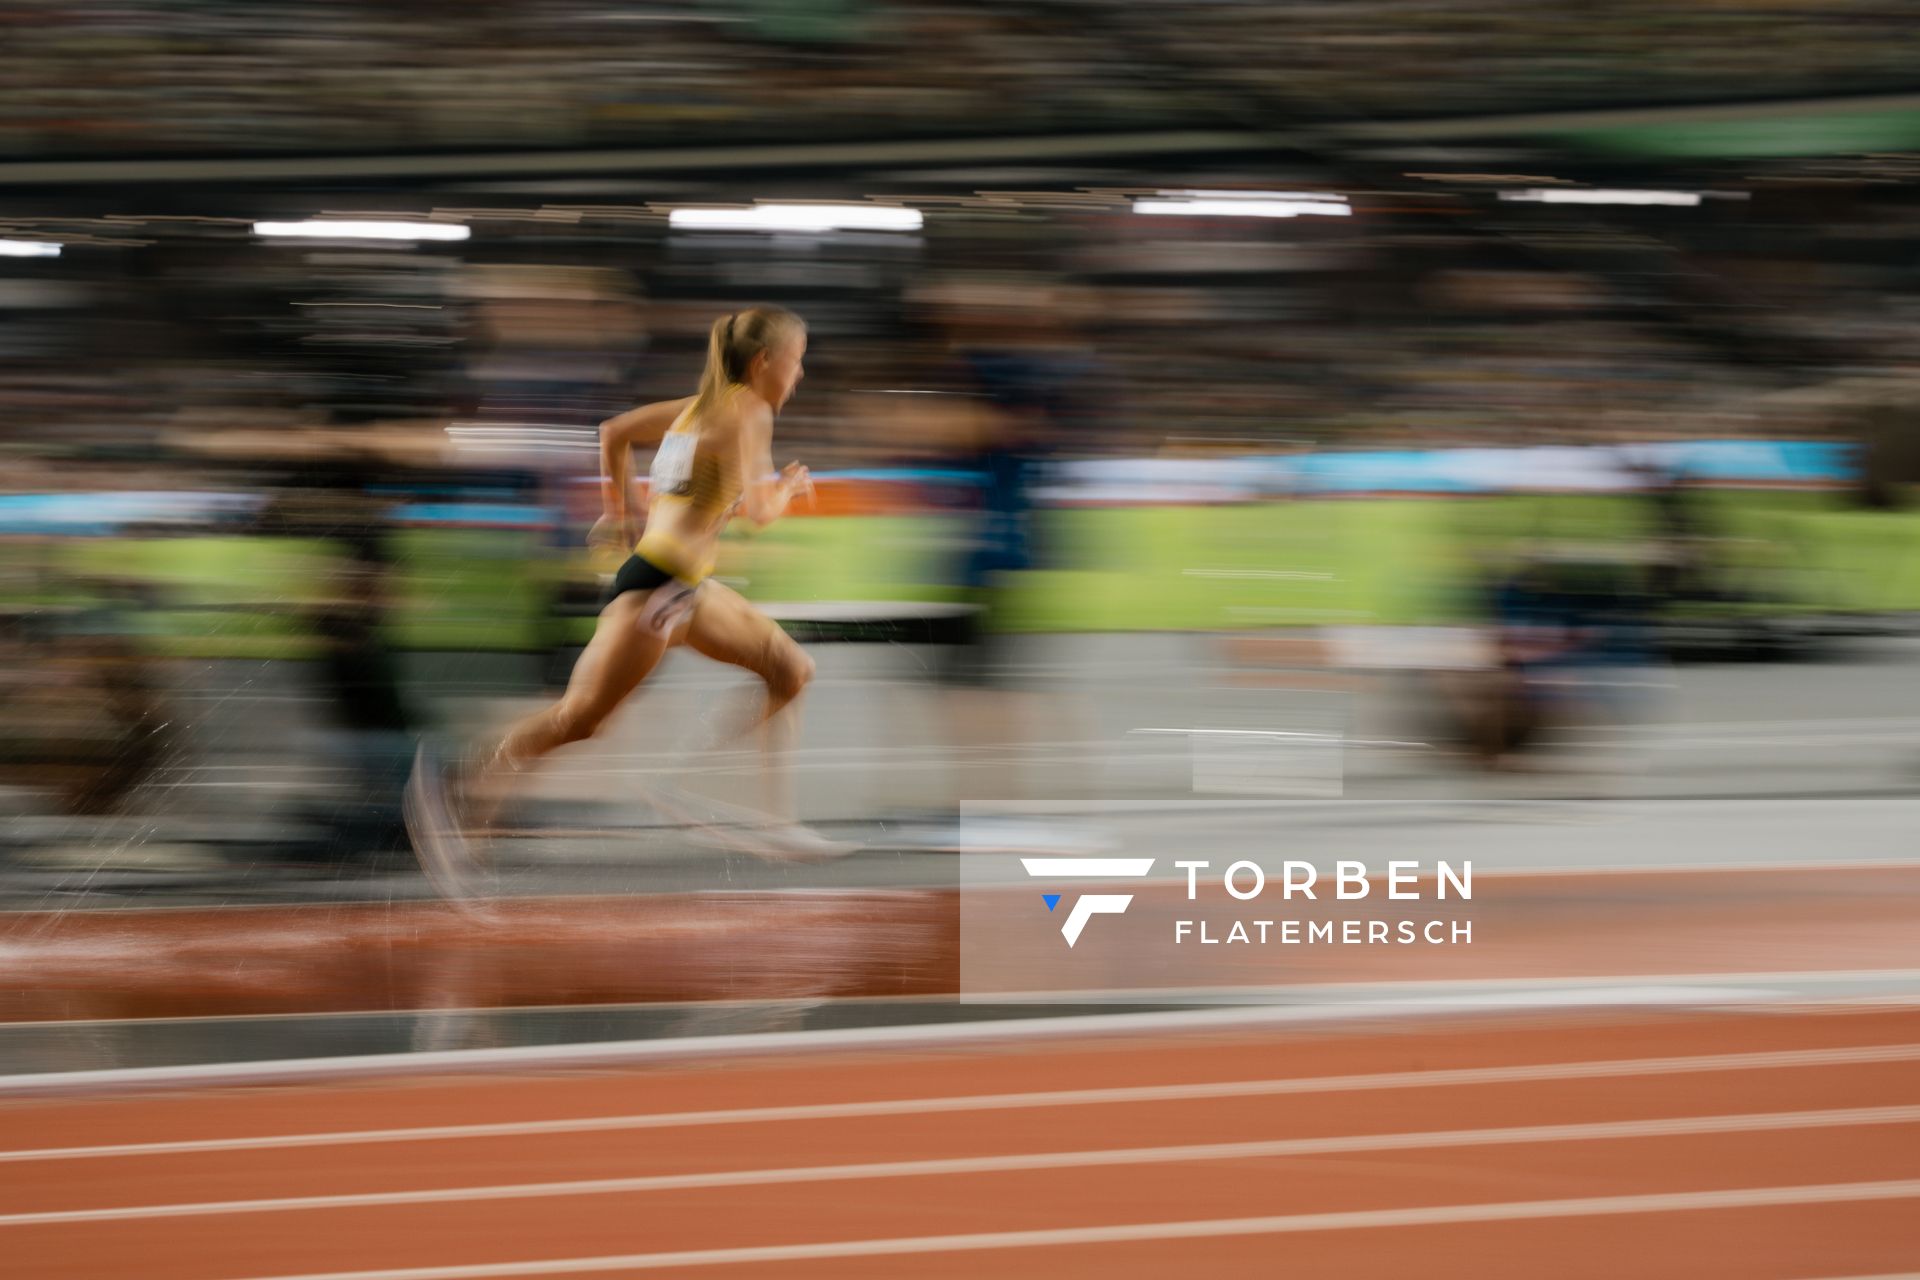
x=1051 y=899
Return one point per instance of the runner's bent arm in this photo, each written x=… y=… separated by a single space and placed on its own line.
x=764 y=496
x=618 y=435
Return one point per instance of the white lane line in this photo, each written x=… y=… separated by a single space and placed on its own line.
x=1434 y=1078
x=1074 y=1027
x=1091 y=995
x=1435 y=1215
x=1760 y=1122
x=1781 y=987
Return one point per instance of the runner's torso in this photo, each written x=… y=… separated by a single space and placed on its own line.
x=693 y=487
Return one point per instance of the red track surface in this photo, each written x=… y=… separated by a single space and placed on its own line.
x=1711 y=1167
x=403 y=956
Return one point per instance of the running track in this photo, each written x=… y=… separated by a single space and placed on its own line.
x=373 y=957
x=1783 y=1144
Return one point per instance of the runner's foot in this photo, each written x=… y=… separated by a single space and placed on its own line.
x=433 y=817
x=736 y=829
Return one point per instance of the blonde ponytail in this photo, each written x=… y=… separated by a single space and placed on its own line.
x=732 y=344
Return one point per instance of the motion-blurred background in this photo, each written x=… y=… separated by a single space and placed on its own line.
x=1421 y=381
x=1465 y=430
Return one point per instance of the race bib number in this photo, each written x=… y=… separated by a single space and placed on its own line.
x=672 y=470
x=667 y=606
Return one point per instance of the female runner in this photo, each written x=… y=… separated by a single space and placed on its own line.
x=714 y=459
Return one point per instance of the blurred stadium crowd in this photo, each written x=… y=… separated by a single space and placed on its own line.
x=138 y=76
x=1427 y=318
x=1431 y=234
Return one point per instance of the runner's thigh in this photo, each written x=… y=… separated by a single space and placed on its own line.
x=618 y=657
x=728 y=629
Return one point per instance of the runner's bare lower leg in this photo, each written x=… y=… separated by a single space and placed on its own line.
x=728 y=629
x=621 y=654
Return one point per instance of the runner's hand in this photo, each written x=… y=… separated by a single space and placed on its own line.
x=610 y=534
x=798 y=479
